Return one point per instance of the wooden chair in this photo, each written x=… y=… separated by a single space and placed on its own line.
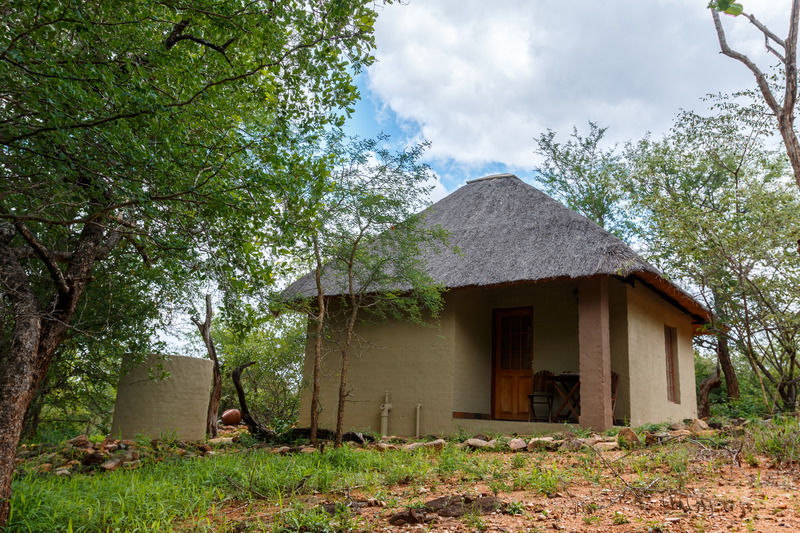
x=542 y=395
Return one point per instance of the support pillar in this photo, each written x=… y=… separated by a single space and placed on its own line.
x=594 y=359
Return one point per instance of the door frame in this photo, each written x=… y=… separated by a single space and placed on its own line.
x=495 y=312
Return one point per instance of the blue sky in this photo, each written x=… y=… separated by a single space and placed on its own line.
x=372 y=117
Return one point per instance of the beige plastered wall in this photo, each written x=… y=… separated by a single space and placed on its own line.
x=647 y=314
x=413 y=363
x=175 y=406
x=446 y=366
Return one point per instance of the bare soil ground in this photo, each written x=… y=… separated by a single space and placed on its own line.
x=681 y=487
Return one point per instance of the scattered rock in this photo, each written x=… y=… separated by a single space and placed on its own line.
x=133 y=465
x=44 y=467
x=455 y=506
x=81 y=441
x=606 y=446
x=679 y=433
x=357 y=437
x=650 y=439
x=308 y=450
x=94 y=458
x=411 y=516
x=413 y=446
x=476 y=443
x=203 y=448
x=517 y=444
x=437 y=444
x=111 y=464
x=221 y=441
x=698 y=426
x=383 y=446
x=571 y=445
x=677 y=426
x=131 y=455
x=62 y=472
x=281 y=450
x=591 y=441
x=393 y=438
x=543 y=443
x=627 y=438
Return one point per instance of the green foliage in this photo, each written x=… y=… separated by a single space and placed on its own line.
x=584 y=175
x=779 y=439
x=716 y=211
x=750 y=403
x=619 y=518
x=515 y=508
x=475 y=521
x=545 y=481
x=727 y=6
x=314 y=520
x=272 y=385
x=172 y=129
x=161 y=494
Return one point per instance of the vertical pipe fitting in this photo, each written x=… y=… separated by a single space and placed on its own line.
x=385 y=408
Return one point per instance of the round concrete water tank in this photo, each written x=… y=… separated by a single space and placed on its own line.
x=166 y=396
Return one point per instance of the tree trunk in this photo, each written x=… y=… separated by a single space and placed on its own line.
x=30 y=423
x=36 y=336
x=345 y=350
x=17 y=386
x=256 y=430
x=342 y=396
x=216 y=382
x=703 y=401
x=317 y=344
x=724 y=358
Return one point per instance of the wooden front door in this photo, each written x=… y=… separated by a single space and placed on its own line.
x=511 y=363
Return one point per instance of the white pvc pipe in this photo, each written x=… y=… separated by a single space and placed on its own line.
x=385 y=408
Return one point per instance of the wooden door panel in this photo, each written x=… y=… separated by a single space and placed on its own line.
x=512 y=359
x=505 y=396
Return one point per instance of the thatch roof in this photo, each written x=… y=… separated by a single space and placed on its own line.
x=507 y=231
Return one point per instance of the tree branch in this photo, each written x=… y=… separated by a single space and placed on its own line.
x=46 y=257
x=177 y=35
x=768 y=34
x=738 y=56
x=790 y=64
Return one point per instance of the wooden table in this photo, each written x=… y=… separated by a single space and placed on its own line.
x=568 y=386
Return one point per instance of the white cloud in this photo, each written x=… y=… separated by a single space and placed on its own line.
x=482 y=79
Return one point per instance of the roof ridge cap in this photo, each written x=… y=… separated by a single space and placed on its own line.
x=504 y=175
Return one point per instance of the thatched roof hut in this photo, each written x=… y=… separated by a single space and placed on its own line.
x=505 y=231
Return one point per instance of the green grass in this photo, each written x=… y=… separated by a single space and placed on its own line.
x=158 y=496
x=779 y=439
